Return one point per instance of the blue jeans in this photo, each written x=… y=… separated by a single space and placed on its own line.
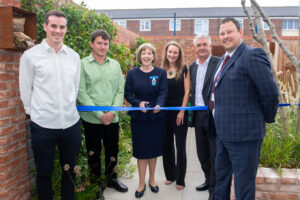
x=44 y=141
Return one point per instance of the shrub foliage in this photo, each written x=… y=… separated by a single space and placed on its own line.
x=81 y=23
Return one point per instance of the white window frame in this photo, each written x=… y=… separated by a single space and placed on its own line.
x=143 y=25
x=294 y=25
x=178 y=25
x=202 y=23
x=241 y=21
x=122 y=23
x=264 y=25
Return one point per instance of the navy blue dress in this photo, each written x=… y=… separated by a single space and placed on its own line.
x=147 y=128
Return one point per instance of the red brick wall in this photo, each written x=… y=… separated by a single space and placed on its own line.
x=161 y=27
x=270 y=185
x=15 y=3
x=277 y=23
x=126 y=37
x=14 y=182
x=187 y=45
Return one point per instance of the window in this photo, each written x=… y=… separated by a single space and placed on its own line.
x=241 y=21
x=145 y=25
x=121 y=23
x=178 y=25
x=290 y=24
x=201 y=26
x=264 y=24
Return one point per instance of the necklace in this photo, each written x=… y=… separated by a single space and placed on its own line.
x=171 y=73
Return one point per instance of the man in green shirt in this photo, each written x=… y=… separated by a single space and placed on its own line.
x=101 y=84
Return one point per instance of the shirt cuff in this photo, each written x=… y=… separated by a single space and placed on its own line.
x=98 y=114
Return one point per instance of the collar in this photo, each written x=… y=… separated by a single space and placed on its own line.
x=44 y=43
x=230 y=54
x=91 y=58
x=205 y=62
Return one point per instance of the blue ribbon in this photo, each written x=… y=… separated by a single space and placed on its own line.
x=110 y=108
x=288 y=104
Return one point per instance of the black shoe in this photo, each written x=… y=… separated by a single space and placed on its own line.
x=202 y=187
x=211 y=197
x=115 y=183
x=141 y=193
x=154 y=189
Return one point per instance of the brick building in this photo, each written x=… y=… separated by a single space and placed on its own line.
x=192 y=21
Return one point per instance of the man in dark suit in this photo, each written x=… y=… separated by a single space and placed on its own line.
x=201 y=72
x=243 y=98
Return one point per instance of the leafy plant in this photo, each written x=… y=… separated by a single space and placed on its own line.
x=123 y=55
x=138 y=43
x=81 y=23
x=279 y=149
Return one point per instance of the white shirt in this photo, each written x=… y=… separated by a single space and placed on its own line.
x=201 y=71
x=49 y=84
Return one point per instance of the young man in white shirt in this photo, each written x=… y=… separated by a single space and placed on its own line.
x=49 y=81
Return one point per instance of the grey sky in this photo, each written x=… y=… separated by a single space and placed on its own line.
x=132 y=4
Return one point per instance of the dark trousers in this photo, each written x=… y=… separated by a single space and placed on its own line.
x=44 y=141
x=94 y=135
x=175 y=171
x=206 y=145
x=240 y=159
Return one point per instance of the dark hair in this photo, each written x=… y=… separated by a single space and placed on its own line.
x=99 y=32
x=231 y=19
x=56 y=13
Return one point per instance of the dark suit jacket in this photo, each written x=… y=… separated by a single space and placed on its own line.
x=139 y=87
x=207 y=80
x=246 y=96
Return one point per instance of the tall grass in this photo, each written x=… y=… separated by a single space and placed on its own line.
x=281 y=150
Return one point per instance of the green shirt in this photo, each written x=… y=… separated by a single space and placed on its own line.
x=100 y=85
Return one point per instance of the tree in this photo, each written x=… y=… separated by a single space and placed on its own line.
x=261 y=38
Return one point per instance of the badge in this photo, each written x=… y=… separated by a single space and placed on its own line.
x=153 y=80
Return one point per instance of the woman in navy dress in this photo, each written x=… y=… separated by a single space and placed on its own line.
x=176 y=121
x=146 y=86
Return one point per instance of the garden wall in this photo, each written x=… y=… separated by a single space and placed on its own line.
x=270 y=185
x=187 y=45
x=126 y=37
x=14 y=182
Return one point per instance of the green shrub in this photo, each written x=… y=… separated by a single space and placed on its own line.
x=81 y=23
x=84 y=180
x=137 y=43
x=281 y=150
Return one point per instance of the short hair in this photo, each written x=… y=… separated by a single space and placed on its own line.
x=56 y=13
x=231 y=19
x=99 y=32
x=197 y=37
x=143 y=47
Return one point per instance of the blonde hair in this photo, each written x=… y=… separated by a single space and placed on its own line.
x=143 y=47
x=179 y=63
